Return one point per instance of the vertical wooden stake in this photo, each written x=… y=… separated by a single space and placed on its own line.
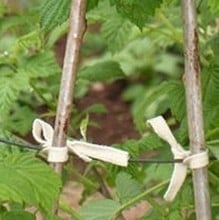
x=194 y=107
x=77 y=28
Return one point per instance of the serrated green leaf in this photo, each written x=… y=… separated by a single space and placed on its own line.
x=56 y=34
x=170 y=93
x=10 y=87
x=210 y=83
x=160 y=172
x=103 y=209
x=21 y=120
x=54 y=12
x=104 y=71
x=115 y=31
x=25 y=179
x=176 y=97
x=40 y=65
x=30 y=41
x=137 y=11
x=213 y=44
x=126 y=187
x=18 y=215
x=145 y=100
x=149 y=142
x=102 y=12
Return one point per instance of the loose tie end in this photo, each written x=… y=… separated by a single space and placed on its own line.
x=189 y=160
x=43 y=134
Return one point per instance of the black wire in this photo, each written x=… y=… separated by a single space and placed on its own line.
x=138 y=160
x=35 y=147
x=131 y=160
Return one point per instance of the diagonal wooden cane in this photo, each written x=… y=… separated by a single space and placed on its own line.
x=74 y=40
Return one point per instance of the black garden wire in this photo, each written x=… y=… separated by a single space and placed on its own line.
x=131 y=160
x=21 y=145
x=139 y=160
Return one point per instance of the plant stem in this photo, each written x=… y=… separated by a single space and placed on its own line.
x=104 y=188
x=66 y=208
x=82 y=179
x=37 y=91
x=156 y=206
x=141 y=196
x=194 y=107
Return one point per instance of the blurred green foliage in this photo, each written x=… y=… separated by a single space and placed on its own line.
x=139 y=41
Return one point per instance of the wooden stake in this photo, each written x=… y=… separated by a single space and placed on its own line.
x=194 y=107
x=73 y=45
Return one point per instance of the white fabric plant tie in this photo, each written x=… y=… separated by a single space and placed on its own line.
x=192 y=161
x=43 y=134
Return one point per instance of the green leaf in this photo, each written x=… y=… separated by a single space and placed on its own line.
x=174 y=215
x=103 y=209
x=149 y=142
x=137 y=11
x=83 y=127
x=104 y=71
x=30 y=41
x=210 y=83
x=115 y=31
x=126 y=187
x=12 y=22
x=95 y=108
x=213 y=5
x=53 y=217
x=18 y=215
x=25 y=179
x=56 y=34
x=10 y=87
x=152 y=214
x=145 y=100
x=92 y=4
x=160 y=172
x=40 y=65
x=20 y=120
x=54 y=13
x=214 y=150
x=176 y=97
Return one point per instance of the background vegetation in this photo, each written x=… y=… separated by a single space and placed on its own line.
x=139 y=41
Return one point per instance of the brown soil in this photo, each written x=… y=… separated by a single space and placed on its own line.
x=116 y=124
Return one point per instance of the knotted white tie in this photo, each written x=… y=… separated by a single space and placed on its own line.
x=43 y=134
x=188 y=160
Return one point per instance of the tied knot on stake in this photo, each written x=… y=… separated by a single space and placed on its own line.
x=189 y=160
x=43 y=134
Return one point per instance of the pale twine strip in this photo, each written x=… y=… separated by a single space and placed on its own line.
x=194 y=161
x=43 y=134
